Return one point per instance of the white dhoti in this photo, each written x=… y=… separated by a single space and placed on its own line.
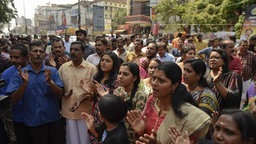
x=76 y=132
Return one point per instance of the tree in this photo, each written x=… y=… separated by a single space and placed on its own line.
x=206 y=15
x=7 y=11
x=118 y=19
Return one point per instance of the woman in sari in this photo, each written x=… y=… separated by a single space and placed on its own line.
x=170 y=104
x=232 y=126
x=128 y=80
x=226 y=84
x=106 y=76
x=193 y=76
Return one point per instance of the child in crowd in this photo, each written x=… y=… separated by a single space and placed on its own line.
x=112 y=110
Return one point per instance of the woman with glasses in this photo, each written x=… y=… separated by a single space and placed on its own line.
x=226 y=84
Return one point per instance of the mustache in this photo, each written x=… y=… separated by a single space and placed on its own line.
x=72 y=55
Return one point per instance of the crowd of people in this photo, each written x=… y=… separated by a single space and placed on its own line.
x=128 y=89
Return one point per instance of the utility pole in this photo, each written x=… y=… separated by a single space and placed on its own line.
x=79 y=15
x=25 y=22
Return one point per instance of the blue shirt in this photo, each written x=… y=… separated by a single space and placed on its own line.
x=206 y=52
x=166 y=57
x=16 y=108
x=88 y=50
x=40 y=105
x=175 y=52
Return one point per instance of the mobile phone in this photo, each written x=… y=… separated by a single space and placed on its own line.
x=2 y=83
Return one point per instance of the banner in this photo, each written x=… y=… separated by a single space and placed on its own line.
x=249 y=27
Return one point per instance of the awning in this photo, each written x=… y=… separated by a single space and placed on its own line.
x=120 y=30
x=141 y=23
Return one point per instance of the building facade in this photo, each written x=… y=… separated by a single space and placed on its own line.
x=93 y=16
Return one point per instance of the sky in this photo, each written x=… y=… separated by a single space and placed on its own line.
x=31 y=5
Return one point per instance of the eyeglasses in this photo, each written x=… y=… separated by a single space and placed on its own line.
x=214 y=57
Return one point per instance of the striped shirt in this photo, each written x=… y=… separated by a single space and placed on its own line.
x=248 y=61
x=40 y=105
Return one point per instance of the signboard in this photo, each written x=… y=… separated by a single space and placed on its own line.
x=249 y=27
x=98 y=18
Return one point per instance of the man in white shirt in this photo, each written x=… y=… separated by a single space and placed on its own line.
x=162 y=55
x=100 y=48
x=67 y=44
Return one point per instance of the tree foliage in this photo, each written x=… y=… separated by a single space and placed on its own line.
x=206 y=15
x=7 y=11
x=118 y=19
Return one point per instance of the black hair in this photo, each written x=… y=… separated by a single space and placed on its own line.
x=180 y=95
x=161 y=44
x=23 y=49
x=139 y=40
x=38 y=43
x=134 y=69
x=186 y=48
x=103 y=40
x=3 y=41
x=120 y=39
x=245 y=122
x=114 y=40
x=84 y=32
x=233 y=38
x=149 y=41
x=224 y=56
x=80 y=43
x=223 y=45
x=133 y=36
x=98 y=37
x=252 y=38
x=243 y=41
x=57 y=39
x=156 y=60
x=112 y=108
x=199 y=35
x=179 y=35
x=199 y=67
x=113 y=73
x=154 y=43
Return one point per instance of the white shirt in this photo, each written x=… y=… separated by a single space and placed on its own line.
x=166 y=57
x=93 y=59
x=67 y=46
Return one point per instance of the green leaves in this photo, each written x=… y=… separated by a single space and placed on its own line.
x=119 y=18
x=7 y=11
x=206 y=15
